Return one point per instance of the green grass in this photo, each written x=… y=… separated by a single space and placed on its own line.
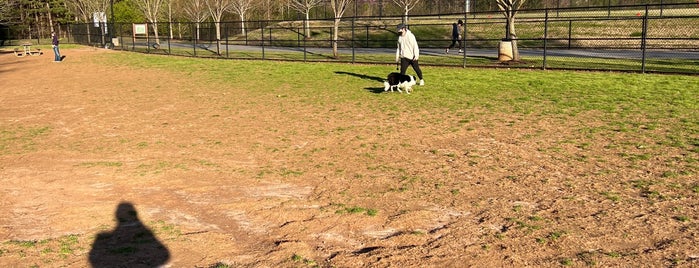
x=676 y=65
x=17 y=139
x=343 y=209
x=629 y=104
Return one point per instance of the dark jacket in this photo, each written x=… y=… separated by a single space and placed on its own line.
x=455 y=31
x=55 y=40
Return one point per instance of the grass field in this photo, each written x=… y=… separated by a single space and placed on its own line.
x=244 y=163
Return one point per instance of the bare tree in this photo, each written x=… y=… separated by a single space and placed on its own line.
x=305 y=6
x=509 y=9
x=339 y=7
x=196 y=11
x=169 y=17
x=85 y=9
x=406 y=6
x=151 y=9
x=217 y=8
x=241 y=8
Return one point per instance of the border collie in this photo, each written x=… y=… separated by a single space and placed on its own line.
x=398 y=81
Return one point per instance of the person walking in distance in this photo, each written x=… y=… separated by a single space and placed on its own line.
x=408 y=52
x=456 y=36
x=54 y=44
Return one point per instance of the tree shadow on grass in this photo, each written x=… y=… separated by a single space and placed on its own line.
x=130 y=244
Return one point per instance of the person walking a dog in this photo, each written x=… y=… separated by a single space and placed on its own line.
x=408 y=52
x=456 y=36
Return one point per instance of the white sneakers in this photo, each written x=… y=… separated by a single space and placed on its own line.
x=422 y=82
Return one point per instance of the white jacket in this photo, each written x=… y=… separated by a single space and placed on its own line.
x=407 y=47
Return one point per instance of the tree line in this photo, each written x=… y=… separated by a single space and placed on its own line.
x=37 y=18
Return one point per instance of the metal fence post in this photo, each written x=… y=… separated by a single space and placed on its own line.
x=644 y=37
x=367 y=36
x=463 y=38
x=226 y=33
x=570 y=32
x=353 y=46
x=147 y=39
x=546 y=31
x=194 y=37
x=262 y=40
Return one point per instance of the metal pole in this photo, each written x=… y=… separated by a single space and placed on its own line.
x=111 y=6
x=463 y=38
x=195 y=35
x=644 y=36
x=353 y=46
x=570 y=32
x=353 y=36
x=546 y=32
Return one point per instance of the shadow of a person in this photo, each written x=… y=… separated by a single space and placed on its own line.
x=363 y=76
x=130 y=244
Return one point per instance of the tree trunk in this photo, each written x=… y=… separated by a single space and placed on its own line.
x=242 y=25
x=336 y=27
x=169 y=16
x=155 y=31
x=218 y=30
x=307 y=25
x=197 y=26
x=48 y=8
x=405 y=15
x=218 y=36
x=513 y=37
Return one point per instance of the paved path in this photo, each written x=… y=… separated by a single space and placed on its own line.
x=493 y=53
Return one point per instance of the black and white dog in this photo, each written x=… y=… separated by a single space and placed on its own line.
x=398 y=81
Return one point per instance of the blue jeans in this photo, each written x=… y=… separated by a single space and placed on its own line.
x=56 y=53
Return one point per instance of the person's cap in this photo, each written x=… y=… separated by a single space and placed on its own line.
x=461 y=22
x=400 y=27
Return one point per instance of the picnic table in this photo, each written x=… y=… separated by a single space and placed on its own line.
x=27 y=51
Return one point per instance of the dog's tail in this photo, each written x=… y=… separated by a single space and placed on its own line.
x=386 y=85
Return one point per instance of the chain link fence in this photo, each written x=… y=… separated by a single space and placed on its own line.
x=636 y=38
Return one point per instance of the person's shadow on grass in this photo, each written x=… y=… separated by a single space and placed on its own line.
x=130 y=244
x=377 y=90
x=363 y=76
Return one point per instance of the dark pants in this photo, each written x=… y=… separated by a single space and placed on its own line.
x=455 y=39
x=404 y=63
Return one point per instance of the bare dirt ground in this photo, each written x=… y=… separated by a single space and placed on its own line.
x=127 y=167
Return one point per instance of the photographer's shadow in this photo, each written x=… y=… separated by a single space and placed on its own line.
x=130 y=244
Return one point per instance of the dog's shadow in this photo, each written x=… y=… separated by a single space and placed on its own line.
x=367 y=77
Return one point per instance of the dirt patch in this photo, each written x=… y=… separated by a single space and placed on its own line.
x=224 y=177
